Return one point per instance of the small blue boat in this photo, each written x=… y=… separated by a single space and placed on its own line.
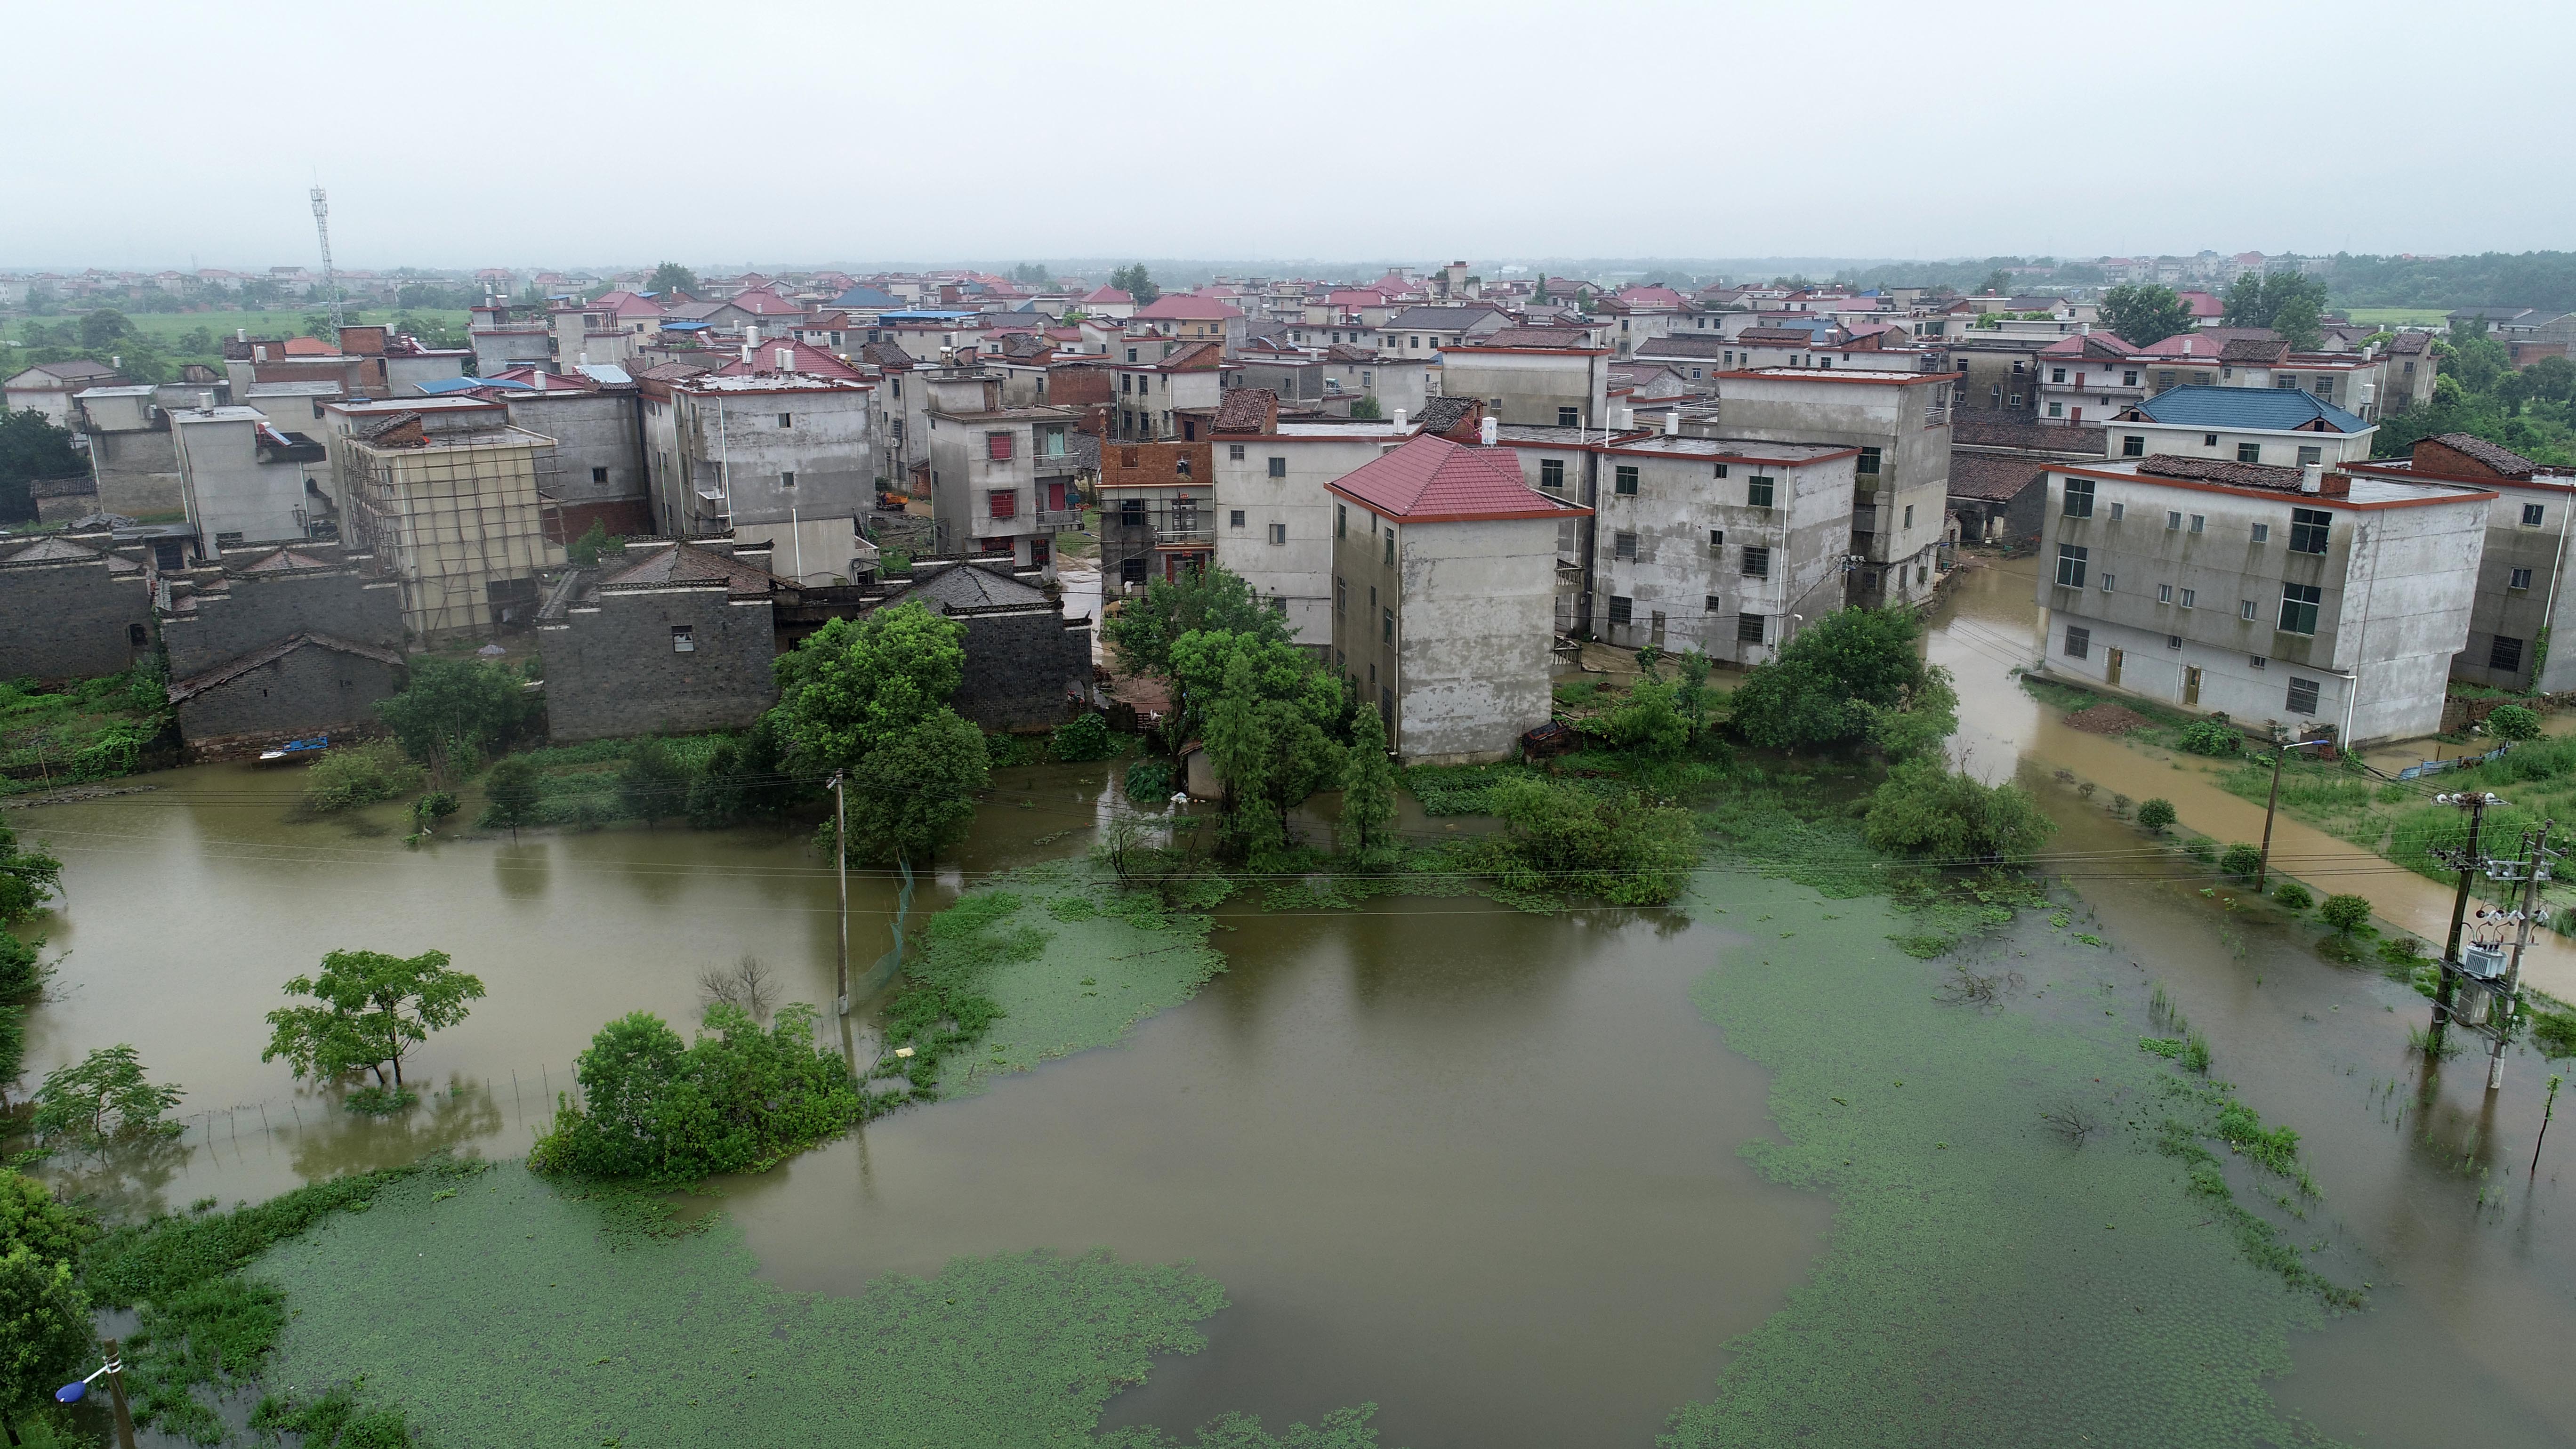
x=296 y=752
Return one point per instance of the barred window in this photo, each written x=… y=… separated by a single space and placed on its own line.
x=2303 y=695
x=1757 y=563
x=1749 y=628
x=2079 y=642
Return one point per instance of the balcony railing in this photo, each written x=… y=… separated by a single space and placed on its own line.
x=1935 y=414
x=1189 y=534
x=1057 y=518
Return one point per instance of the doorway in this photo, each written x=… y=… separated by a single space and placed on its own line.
x=2191 y=684
x=2113 y=677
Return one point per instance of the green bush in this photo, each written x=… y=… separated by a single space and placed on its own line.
x=2347 y=914
x=2156 y=814
x=1558 y=838
x=1925 y=808
x=2554 y=1032
x=362 y=776
x=2213 y=736
x=2293 y=895
x=1648 y=723
x=736 y=1100
x=2202 y=851
x=1084 y=739
x=2241 y=859
x=1149 y=781
x=2513 y=722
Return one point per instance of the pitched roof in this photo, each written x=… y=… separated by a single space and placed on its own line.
x=2108 y=346
x=1445 y=319
x=1349 y=352
x=1107 y=296
x=763 y=303
x=1245 y=410
x=2258 y=350
x=686 y=563
x=2502 y=459
x=235 y=668
x=970 y=586
x=1443 y=414
x=2221 y=470
x=2407 y=344
x=1182 y=307
x=1535 y=337
x=864 y=295
x=46 y=550
x=75 y=369
x=281 y=561
x=2273 y=409
x=1974 y=429
x=1793 y=336
x=1690 y=344
x=804 y=357
x=885 y=354
x=1427 y=479
x=1994 y=477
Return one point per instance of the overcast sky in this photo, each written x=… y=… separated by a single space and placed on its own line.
x=470 y=134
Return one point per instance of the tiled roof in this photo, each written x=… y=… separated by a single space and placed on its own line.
x=70 y=485
x=232 y=669
x=1107 y=296
x=1349 y=352
x=871 y=298
x=2276 y=409
x=1442 y=319
x=969 y=586
x=2259 y=351
x=763 y=303
x=1180 y=308
x=2109 y=347
x=2409 y=344
x=686 y=563
x=1982 y=430
x=283 y=560
x=1245 y=410
x=46 y=550
x=1688 y=344
x=1993 y=477
x=2185 y=347
x=2221 y=470
x=808 y=359
x=1433 y=480
x=1534 y=337
x=2502 y=459
x=1793 y=336
x=885 y=354
x=1441 y=414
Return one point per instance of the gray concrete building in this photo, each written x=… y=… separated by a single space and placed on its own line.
x=1003 y=481
x=243 y=480
x=1547 y=376
x=2299 y=598
x=73 y=608
x=1444 y=597
x=787 y=458
x=131 y=452
x=1273 y=517
x=671 y=638
x=1028 y=667
x=2522 y=570
x=301 y=685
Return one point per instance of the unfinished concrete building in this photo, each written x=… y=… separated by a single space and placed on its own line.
x=451 y=503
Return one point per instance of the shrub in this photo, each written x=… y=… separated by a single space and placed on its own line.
x=361 y=776
x=1649 y=724
x=2347 y=914
x=458 y=709
x=2554 y=1032
x=512 y=793
x=2213 y=735
x=2241 y=859
x=2293 y=895
x=1149 y=781
x=736 y=1100
x=2513 y=722
x=1559 y=838
x=653 y=783
x=1925 y=808
x=1087 y=738
x=2156 y=814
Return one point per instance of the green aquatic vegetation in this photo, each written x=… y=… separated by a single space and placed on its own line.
x=505 y=1316
x=1460 y=789
x=1340 y=1429
x=2554 y=1032
x=1952 y=1271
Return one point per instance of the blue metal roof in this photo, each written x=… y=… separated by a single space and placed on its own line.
x=684 y=326
x=2271 y=409
x=440 y=387
x=864 y=295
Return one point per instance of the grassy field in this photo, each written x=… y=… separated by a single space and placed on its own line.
x=2397 y=316
x=167 y=327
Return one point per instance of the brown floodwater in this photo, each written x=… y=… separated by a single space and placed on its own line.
x=1476 y=1166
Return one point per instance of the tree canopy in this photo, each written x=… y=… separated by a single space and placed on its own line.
x=32 y=448
x=1206 y=599
x=458 y=710
x=103 y=1098
x=2143 y=314
x=369 y=1010
x=1262 y=711
x=28 y=879
x=736 y=1100
x=1830 y=681
x=671 y=277
x=1134 y=281
x=870 y=698
x=2256 y=299
x=1926 y=808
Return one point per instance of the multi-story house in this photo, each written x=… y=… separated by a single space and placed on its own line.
x=1272 y=523
x=244 y=481
x=2524 y=566
x=2089 y=375
x=1444 y=597
x=1421 y=332
x=2285 y=426
x=1900 y=422
x=1159 y=381
x=1720 y=544
x=1157 y=514
x=784 y=458
x=1636 y=315
x=2302 y=597
x=1543 y=375
x=1185 y=318
x=1003 y=480
x=447 y=499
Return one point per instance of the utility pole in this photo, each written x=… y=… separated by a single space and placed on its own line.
x=2263 y=870
x=2468 y=862
x=330 y=277
x=841 y=869
x=2535 y=871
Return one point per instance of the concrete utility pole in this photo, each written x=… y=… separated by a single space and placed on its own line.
x=2263 y=871
x=2536 y=870
x=2468 y=862
x=841 y=869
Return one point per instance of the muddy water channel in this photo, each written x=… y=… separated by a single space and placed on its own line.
x=1481 y=1168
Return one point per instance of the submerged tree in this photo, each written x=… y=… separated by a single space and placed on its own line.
x=869 y=699
x=1926 y=808
x=28 y=879
x=1827 y=684
x=1368 y=790
x=511 y=794
x=103 y=1098
x=653 y=782
x=370 y=1009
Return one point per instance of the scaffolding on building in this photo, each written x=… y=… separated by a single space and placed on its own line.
x=461 y=523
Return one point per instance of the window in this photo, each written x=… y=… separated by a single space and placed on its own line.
x=1341 y=595
x=137 y=635
x=2209 y=440
x=1757 y=563
x=1749 y=628
x=2505 y=654
x=2057 y=410
x=1278 y=533
x=2299 y=608
x=2070 y=565
x=1620 y=607
x=2531 y=515
x=2016 y=399
x=2164 y=593
x=1386 y=626
x=1006 y=503
x=2245 y=610
x=1551 y=474
x=1721 y=470
x=1390 y=545
x=1131 y=357
x=2262 y=533
x=997 y=447
x=1717 y=542
x=1867 y=466
x=2173 y=521
x=2286 y=381
x=684 y=639
x=2057 y=374
x=1131 y=570
x=228 y=540
x=2303 y=695
x=2190 y=597
x=2519 y=581
x=1623 y=545
x=2308 y=529
x=787 y=420
x=1341 y=520
x=1234 y=452
x=2079 y=498
x=2173 y=641
x=2309 y=453
x=1909 y=515
x=1757 y=492
x=2079 y=642
x=787 y=478
x=1624 y=481
x=1712 y=601
x=2249 y=452
x=2165 y=378
x=2109 y=581
x=2325 y=386
x=2257 y=661
x=1569 y=417
x=598 y=475
x=2118 y=511
x=1234 y=518
x=2129 y=378
x=1278 y=467
x=2133 y=445
x=1131 y=512
x=2199 y=523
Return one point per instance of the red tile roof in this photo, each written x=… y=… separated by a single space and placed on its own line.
x=1107 y=296
x=764 y=304
x=1185 y=308
x=809 y=359
x=2104 y=345
x=1433 y=480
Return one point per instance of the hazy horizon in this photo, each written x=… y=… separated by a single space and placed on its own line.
x=482 y=135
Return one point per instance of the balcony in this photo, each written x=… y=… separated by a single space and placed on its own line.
x=1936 y=414
x=1185 y=535
x=1057 y=518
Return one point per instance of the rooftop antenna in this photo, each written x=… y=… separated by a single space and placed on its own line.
x=330 y=278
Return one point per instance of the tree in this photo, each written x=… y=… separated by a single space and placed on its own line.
x=1260 y=708
x=28 y=879
x=745 y=779
x=32 y=1218
x=1211 y=599
x=672 y=277
x=1999 y=282
x=653 y=782
x=1821 y=686
x=1368 y=789
x=2296 y=319
x=2143 y=314
x=2241 y=859
x=1367 y=407
x=1558 y=838
x=1135 y=283
x=914 y=795
x=584 y=551
x=369 y=1010
x=511 y=794
x=31 y=448
x=2347 y=914
x=104 y=328
x=736 y=1100
x=103 y=1098
x=1925 y=808
x=856 y=684
x=44 y=1331
x=2156 y=814
x=2256 y=301
x=456 y=711
x=2513 y=722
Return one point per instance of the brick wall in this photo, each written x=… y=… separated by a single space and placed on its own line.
x=1019 y=666
x=310 y=691
x=258 y=610
x=2437 y=459
x=611 y=671
x=70 y=620
x=1127 y=465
